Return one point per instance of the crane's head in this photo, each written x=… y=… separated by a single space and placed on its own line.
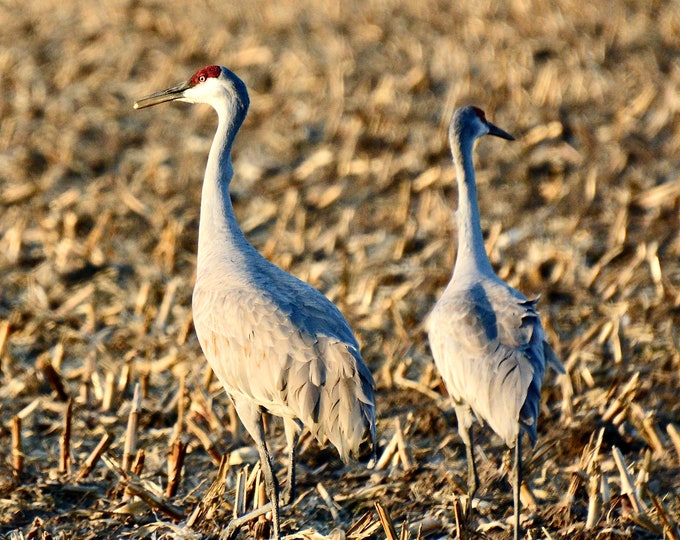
x=470 y=123
x=214 y=85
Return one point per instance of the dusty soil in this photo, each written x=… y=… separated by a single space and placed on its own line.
x=343 y=177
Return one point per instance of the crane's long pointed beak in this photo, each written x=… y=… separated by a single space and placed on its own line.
x=169 y=94
x=498 y=132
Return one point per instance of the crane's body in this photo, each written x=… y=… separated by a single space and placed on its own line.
x=275 y=343
x=486 y=337
x=292 y=353
x=487 y=342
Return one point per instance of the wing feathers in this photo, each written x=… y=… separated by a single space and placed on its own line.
x=286 y=362
x=487 y=342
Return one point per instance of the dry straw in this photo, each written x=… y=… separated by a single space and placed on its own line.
x=342 y=176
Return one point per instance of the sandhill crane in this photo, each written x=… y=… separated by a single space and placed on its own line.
x=486 y=337
x=275 y=343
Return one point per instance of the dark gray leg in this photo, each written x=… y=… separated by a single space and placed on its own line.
x=271 y=484
x=292 y=438
x=465 y=431
x=473 y=479
x=517 y=484
x=252 y=420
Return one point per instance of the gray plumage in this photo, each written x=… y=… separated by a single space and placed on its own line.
x=486 y=337
x=274 y=342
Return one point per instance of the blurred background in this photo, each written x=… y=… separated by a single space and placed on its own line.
x=343 y=177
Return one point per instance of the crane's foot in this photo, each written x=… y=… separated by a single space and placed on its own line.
x=262 y=528
x=286 y=496
x=467 y=508
x=236 y=523
x=472 y=490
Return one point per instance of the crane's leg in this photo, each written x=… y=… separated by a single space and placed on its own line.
x=473 y=479
x=465 y=431
x=252 y=420
x=517 y=484
x=292 y=429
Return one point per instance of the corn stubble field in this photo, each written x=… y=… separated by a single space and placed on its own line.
x=342 y=177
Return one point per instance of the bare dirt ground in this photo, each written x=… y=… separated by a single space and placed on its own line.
x=343 y=177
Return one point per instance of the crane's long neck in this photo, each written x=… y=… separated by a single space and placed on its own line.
x=219 y=235
x=471 y=255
